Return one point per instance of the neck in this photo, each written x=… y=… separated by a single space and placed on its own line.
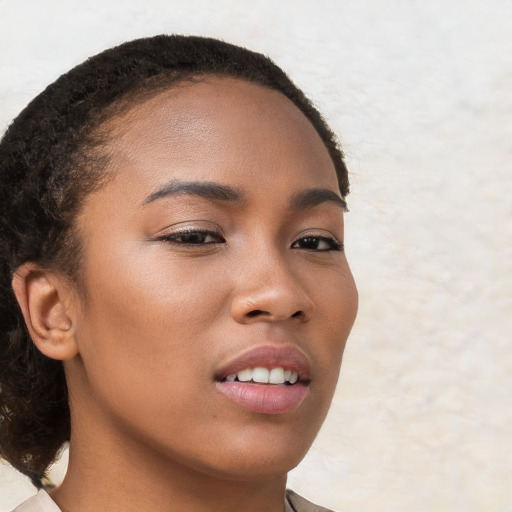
x=108 y=476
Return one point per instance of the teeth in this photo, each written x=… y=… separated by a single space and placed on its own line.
x=260 y=375
x=276 y=376
x=264 y=376
x=245 y=375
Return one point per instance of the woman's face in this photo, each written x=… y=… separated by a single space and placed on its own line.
x=215 y=249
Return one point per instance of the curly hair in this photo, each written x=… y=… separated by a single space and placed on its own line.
x=51 y=157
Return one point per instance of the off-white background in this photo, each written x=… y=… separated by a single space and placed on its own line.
x=420 y=93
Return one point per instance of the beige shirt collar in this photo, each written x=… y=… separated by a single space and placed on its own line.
x=41 y=502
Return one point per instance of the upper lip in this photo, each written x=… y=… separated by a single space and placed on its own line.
x=288 y=357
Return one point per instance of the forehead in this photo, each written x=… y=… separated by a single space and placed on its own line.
x=219 y=129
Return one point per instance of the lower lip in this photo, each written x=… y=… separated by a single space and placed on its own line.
x=265 y=399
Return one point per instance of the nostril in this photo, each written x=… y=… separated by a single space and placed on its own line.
x=256 y=312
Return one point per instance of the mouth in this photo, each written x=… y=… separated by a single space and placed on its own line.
x=262 y=375
x=266 y=379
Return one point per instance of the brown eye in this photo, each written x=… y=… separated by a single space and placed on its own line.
x=317 y=243
x=193 y=237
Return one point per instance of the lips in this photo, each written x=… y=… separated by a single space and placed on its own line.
x=267 y=379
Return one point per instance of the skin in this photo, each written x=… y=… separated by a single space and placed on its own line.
x=156 y=318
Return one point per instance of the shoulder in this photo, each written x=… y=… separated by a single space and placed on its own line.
x=41 y=502
x=300 y=504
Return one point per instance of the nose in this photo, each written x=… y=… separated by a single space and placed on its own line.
x=270 y=292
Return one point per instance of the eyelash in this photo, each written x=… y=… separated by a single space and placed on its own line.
x=332 y=244
x=173 y=237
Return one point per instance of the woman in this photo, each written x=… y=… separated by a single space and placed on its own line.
x=176 y=294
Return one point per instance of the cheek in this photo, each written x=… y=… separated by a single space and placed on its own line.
x=337 y=303
x=344 y=305
x=146 y=319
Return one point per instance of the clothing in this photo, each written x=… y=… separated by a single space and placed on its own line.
x=299 y=504
x=42 y=502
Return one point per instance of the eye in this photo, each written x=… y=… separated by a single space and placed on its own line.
x=317 y=243
x=192 y=237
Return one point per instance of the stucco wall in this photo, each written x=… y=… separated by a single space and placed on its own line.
x=420 y=94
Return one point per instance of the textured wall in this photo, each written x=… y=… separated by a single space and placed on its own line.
x=420 y=94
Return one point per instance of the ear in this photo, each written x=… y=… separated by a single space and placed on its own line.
x=45 y=302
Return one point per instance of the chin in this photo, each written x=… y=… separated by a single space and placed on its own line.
x=261 y=466
x=260 y=456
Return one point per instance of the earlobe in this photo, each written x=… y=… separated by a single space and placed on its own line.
x=44 y=301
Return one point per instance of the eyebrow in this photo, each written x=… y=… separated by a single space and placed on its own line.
x=314 y=197
x=210 y=190
x=204 y=189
